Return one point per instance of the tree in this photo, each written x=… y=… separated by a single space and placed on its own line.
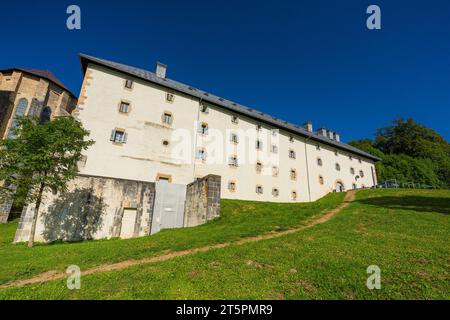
x=42 y=156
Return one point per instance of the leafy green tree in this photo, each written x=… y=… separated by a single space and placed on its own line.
x=410 y=152
x=42 y=156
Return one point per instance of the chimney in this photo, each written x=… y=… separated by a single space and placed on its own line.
x=161 y=69
x=337 y=137
x=330 y=135
x=308 y=126
x=322 y=132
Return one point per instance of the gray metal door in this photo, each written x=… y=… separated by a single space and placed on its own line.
x=168 y=211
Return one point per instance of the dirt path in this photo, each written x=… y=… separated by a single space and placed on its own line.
x=56 y=275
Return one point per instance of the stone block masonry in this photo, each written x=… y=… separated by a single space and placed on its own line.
x=101 y=208
x=202 y=201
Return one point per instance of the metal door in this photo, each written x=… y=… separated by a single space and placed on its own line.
x=128 y=223
x=168 y=211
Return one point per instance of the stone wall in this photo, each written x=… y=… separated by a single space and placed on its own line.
x=202 y=201
x=92 y=208
x=98 y=207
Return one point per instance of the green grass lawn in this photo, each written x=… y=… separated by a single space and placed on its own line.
x=238 y=219
x=404 y=232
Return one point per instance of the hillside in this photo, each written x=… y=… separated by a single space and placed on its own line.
x=404 y=232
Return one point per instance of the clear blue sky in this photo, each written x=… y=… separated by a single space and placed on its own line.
x=298 y=60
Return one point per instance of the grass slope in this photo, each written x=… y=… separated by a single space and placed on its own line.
x=238 y=219
x=404 y=232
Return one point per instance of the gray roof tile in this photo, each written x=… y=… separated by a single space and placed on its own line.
x=227 y=104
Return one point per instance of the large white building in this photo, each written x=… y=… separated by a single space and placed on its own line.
x=147 y=127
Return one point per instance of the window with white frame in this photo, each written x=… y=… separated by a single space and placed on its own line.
x=129 y=84
x=361 y=173
x=259 y=189
x=275 y=192
x=292 y=154
x=338 y=167
x=234 y=138
x=275 y=171
x=319 y=162
x=274 y=149
x=203 y=128
x=258 y=167
x=232 y=186
x=124 y=107
x=167 y=118
x=293 y=174
x=118 y=136
x=234 y=119
x=294 y=195
x=233 y=161
x=170 y=97
x=200 y=154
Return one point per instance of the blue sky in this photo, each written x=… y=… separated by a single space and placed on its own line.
x=298 y=60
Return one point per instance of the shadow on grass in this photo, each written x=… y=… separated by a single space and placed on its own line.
x=415 y=203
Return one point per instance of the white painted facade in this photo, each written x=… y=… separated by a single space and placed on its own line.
x=144 y=156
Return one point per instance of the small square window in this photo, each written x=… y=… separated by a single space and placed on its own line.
x=291 y=139
x=234 y=138
x=233 y=161
x=124 y=107
x=318 y=147
x=170 y=97
x=167 y=118
x=129 y=84
x=259 y=190
x=232 y=186
x=275 y=192
x=118 y=136
x=200 y=154
x=203 y=128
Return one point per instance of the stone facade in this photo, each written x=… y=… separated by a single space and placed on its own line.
x=30 y=92
x=202 y=201
x=99 y=208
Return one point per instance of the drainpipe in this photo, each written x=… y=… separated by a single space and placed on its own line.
x=307 y=168
x=196 y=137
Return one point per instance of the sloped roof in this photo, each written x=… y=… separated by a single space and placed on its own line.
x=227 y=104
x=45 y=74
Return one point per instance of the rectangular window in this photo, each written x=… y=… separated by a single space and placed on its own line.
x=259 y=167
x=167 y=118
x=258 y=127
x=293 y=174
x=200 y=154
x=203 y=128
x=294 y=195
x=129 y=84
x=118 y=136
x=259 y=190
x=291 y=139
x=124 y=107
x=259 y=145
x=292 y=154
x=232 y=186
x=275 y=192
x=233 y=161
x=234 y=120
x=275 y=171
x=274 y=149
x=170 y=97
x=234 y=138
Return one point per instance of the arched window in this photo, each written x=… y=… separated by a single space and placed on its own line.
x=21 y=108
x=46 y=114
